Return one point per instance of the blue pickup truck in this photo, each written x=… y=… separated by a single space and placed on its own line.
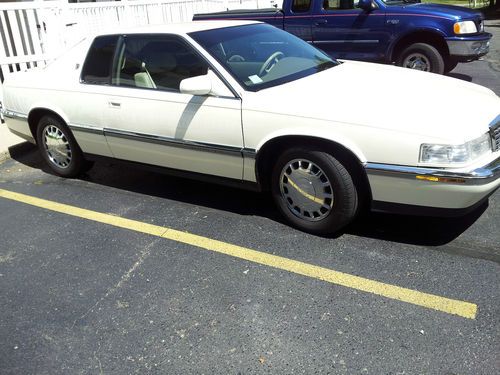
x=427 y=37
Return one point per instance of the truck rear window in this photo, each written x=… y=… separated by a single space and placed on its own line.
x=299 y=6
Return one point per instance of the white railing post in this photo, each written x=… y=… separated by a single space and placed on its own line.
x=128 y=18
x=53 y=23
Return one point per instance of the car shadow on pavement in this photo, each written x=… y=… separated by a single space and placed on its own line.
x=417 y=230
x=128 y=177
x=463 y=77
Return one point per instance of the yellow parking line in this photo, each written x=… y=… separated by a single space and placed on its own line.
x=431 y=301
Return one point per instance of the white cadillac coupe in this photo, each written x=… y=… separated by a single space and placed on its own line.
x=248 y=104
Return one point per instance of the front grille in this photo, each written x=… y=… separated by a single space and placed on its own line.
x=495 y=136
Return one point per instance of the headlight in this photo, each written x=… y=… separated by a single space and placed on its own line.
x=465 y=27
x=448 y=154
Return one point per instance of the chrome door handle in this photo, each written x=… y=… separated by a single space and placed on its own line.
x=320 y=22
x=114 y=104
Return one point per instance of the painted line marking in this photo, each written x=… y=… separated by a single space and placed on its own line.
x=450 y=306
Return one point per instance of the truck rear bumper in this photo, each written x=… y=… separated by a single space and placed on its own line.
x=468 y=49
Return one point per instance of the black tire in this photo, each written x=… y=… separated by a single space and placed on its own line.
x=449 y=65
x=64 y=156
x=421 y=56
x=320 y=213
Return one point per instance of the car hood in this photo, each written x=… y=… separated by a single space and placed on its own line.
x=447 y=11
x=386 y=97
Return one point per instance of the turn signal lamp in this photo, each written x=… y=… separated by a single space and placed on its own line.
x=465 y=27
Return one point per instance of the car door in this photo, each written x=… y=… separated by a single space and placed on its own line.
x=345 y=31
x=148 y=120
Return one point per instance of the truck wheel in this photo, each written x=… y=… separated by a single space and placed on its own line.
x=59 y=148
x=450 y=65
x=421 y=56
x=314 y=191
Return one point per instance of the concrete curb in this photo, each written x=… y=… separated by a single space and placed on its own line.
x=7 y=142
x=4 y=155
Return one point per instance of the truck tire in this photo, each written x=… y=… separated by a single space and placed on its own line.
x=449 y=65
x=314 y=191
x=421 y=56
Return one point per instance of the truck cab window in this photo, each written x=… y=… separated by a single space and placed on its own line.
x=300 y=6
x=340 y=4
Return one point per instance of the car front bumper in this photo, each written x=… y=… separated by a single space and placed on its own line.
x=470 y=48
x=432 y=190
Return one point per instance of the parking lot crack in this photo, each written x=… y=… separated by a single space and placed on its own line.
x=123 y=279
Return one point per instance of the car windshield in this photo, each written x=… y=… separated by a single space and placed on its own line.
x=259 y=56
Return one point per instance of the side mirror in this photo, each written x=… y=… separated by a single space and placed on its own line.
x=366 y=5
x=208 y=84
x=199 y=85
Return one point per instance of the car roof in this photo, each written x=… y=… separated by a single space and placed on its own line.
x=176 y=28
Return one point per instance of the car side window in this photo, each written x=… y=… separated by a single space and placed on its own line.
x=156 y=62
x=340 y=4
x=97 y=66
x=300 y=6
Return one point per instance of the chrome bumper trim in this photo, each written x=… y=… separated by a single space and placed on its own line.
x=14 y=115
x=479 y=176
x=468 y=47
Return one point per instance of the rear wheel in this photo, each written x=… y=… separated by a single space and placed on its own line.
x=421 y=56
x=59 y=148
x=314 y=191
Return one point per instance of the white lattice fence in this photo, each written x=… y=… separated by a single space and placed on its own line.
x=33 y=33
x=24 y=39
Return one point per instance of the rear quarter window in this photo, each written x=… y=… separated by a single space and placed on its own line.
x=98 y=64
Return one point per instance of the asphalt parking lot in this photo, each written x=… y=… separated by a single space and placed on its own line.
x=124 y=271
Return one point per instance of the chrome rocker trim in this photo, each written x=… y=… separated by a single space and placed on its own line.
x=86 y=129
x=192 y=145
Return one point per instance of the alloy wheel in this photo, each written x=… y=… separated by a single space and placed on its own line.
x=57 y=146
x=306 y=189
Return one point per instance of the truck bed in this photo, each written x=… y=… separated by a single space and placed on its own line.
x=243 y=14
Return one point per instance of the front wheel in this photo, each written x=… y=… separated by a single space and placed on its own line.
x=314 y=191
x=59 y=148
x=450 y=65
x=421 y=56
